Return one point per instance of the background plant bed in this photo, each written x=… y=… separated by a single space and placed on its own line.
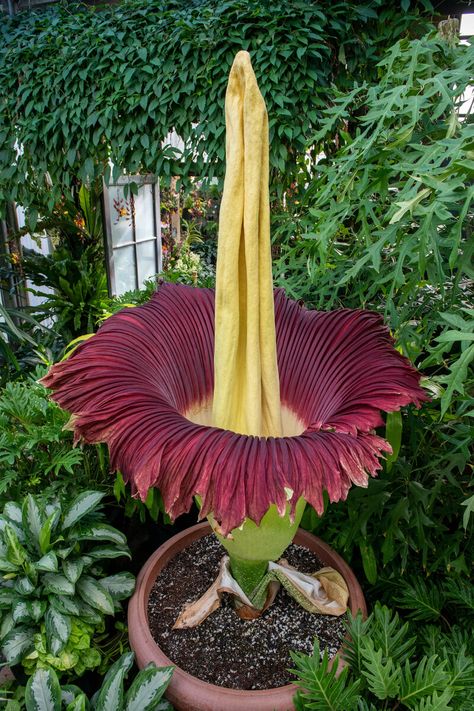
x=187 y=692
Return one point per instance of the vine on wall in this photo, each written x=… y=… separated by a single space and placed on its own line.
x=85 y=88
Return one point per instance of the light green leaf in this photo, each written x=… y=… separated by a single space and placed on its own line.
x=20 y=612
x=100 y=532
x=32 y=519
x=57 y=583
x=58 y=630
x=94 y=594
x=73 y=569
x=469 y=504
x=120 y=586
x=66 y=604
x=48 y=563
x=17 y=644
x=383 y=677
x=16 y=554
x=100 y=552
x=46 y=529
x=81 y=506
x=12 y=510
x=147 y=688
x=43 y=692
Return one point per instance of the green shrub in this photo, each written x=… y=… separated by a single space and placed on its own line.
x=53 y=593
x=126 y=76
x=36 y=452
x=44 y=693
x=386 y=223
x=385 y=673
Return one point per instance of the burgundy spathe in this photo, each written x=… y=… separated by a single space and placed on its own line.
x=131 y=384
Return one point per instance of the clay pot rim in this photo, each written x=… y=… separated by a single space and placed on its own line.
x=138 y=605
x=138 y=608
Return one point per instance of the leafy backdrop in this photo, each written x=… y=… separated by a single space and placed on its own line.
x=82 y=87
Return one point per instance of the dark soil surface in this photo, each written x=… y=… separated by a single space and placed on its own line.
x=225 y=650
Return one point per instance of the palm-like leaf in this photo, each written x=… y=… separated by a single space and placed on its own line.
x=319 y=687
x=139 y=382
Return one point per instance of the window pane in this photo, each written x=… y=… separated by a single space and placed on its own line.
x=124 y=267
x=146 y=252
x=120 y=216
x=144 y=222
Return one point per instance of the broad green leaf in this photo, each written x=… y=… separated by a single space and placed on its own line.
x=32 y=519
x=24 y=586
x=73 y=569
x=7 y=597
x=57 y=583
x=451 y=336
x=20 y=612
x=16 y=554
x=36 y=609
x=95 y=595
x=6 y=626
x=120 y=586
x=69 y=693
x=469 y=504
x=81 y=506
x=369 y=561
x=43 y=692
x=58 y=629
x=17 y=644
x=80 y=703
x=111 y=693
x=100 y=532
x=393 y=434
x=48 y=563
x=66 y=604
x=100 y=552
x=12 y=511
x=147 y=688
x=46 y=529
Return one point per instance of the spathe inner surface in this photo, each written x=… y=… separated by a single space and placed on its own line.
x=201 y=414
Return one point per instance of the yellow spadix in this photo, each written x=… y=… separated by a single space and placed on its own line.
x=246 y=383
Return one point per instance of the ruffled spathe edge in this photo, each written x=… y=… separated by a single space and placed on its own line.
x=130 y=384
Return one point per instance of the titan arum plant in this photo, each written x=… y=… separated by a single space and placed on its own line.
x=241 y=399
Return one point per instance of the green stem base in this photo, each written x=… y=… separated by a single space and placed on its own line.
x=248 y=573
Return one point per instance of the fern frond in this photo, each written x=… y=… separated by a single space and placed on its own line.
x=386 y=630
x=461 y=593
x=423 y=602
x=429 y=676
x=460 y=666
x=383 y=677
x=365 y=705
x=435 y=702
x=390 y=635
x=319 y=688
x=357 y=629
x=65 y=459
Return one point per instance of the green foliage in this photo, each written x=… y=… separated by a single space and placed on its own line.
x=145 y=692
x=54 y=594
x=386 y=223
x=83 y=88
x=79 y=297
x=320 y=688
x=36 y=452
x=22 y=343
x=383 y=668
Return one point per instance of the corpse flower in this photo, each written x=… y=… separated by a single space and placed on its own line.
x=242 y=398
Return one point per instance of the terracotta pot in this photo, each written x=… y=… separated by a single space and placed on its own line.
x=186 y=692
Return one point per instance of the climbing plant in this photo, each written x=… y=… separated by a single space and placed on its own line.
x=84 y=89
